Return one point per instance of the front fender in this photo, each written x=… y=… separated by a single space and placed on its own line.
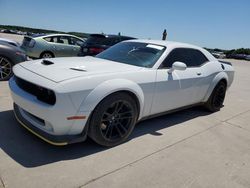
x=215 y=81
x=111 y=86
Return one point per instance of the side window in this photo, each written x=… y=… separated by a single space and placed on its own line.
x=197 y=58
x=63 y=40
x=51 y=39
x=173 y=56
x=75 y=41
x=191 y=57
x=48 y=39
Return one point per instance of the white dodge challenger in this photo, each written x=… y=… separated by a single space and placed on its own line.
x=64 y=100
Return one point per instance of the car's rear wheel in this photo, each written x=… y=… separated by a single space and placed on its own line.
x=113 y=119
x=215 y=101
x=5 y=68
x=47 y=55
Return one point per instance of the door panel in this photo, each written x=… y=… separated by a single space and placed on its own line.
x=167 y=91
x=63 y=50
x=176 y=90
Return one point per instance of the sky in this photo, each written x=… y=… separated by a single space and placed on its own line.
x=208 y=23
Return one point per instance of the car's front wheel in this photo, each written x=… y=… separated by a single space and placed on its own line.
x=5 y=68
x=215 y=101
x=113 y=119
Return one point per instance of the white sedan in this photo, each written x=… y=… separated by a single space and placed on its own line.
x=64 y=100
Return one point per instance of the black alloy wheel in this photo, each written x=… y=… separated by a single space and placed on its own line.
x=217 y=97
x=113 y=119
x=116 y=120
x=5 y=68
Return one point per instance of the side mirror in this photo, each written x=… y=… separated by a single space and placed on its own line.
x=177 y=66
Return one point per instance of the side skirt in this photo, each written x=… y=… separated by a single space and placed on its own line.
x=170 y=111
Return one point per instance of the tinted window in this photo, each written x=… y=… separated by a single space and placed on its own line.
x=75 y=41
x=191 y=57
x=109 y=41
x=96 y=40
x=102 y=40
x=133 y=53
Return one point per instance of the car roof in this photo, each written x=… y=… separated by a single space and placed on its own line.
x=53 y=35
x=173 y=44
x=110 y=36
x=165 y=43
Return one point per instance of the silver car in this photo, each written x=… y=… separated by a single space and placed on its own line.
x=48 y=46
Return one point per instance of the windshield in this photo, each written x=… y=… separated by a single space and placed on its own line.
x=133 y=53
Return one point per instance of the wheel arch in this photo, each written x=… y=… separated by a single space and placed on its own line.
x=47 y=51
x=110 y=87
x=221 y=77
x=7 y=56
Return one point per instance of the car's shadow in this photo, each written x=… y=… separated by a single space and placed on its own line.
x=29 y=151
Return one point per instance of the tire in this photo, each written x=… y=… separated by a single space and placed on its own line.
x=5 y=68
x=216 y=99
x=47 y=55
x=113 y=119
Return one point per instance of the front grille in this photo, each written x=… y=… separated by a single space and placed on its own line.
x=41 y=93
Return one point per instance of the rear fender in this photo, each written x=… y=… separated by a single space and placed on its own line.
x=217 y=78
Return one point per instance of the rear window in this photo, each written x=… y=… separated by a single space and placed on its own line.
x=26 y=41
x=99 y=40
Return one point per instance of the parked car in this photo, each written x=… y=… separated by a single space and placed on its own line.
x=219 y=55
x=97 y=43
x=62 y=100
x=237 y=56
x=48 y=46
x=9 y=56
x=247 y=57
x=11 y=42
x=6 y=31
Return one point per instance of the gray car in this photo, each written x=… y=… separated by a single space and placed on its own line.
x=10 y=42
x=247 y=57
x=48 y=46
x=9 y=56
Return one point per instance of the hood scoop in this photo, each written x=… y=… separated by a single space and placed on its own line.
x=47 y=62
x=79 y=68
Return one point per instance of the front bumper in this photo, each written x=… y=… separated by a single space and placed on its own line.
x=51 y=139
x=49 y=122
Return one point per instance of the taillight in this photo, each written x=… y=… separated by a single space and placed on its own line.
x=95 y=50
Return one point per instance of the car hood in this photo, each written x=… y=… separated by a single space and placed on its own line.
x=61 y=69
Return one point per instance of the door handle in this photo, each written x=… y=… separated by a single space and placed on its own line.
x=198 y=73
